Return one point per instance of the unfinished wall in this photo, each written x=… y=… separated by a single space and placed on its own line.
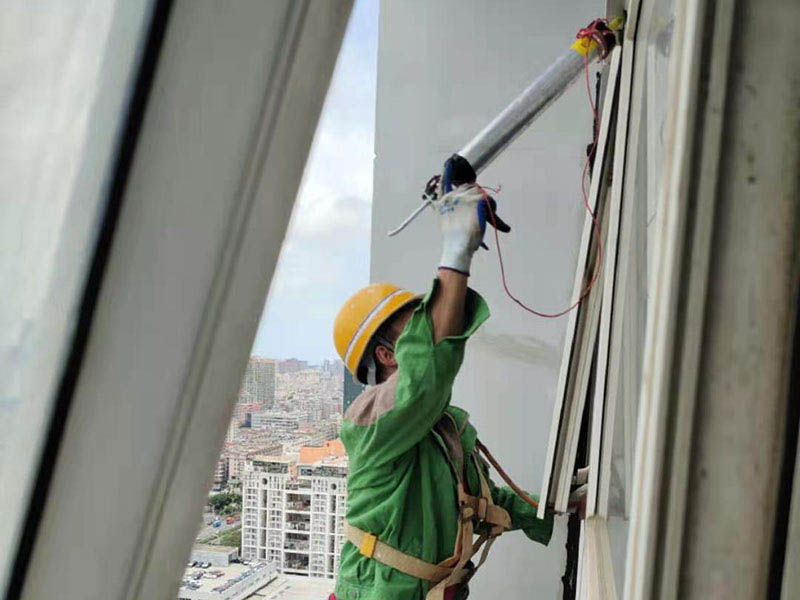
x=444 y=70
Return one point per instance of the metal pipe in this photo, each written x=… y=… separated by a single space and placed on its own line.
x=525 y=108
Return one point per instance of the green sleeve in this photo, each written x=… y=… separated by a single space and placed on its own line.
x=523 y=515
x=425 y=375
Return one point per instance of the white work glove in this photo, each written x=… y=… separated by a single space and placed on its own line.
x=463 y=215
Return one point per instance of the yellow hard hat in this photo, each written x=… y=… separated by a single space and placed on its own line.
x=361 y=316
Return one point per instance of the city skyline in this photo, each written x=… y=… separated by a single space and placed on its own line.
x=315 y=363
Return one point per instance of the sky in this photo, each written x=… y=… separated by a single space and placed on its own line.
x=325 y=256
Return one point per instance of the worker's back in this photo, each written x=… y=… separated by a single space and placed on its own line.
x=400 y=486
x=413 y=471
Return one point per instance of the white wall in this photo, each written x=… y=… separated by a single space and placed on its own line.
x=445 y=69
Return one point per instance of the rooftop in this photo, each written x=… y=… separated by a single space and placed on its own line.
x=210 y=548
x=312 y=454
x=268 y=458
x=295 y=587
x=236 y=581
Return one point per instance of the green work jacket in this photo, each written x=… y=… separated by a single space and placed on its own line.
x=401 y=487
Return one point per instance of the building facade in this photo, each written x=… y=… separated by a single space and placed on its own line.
x=352 y=389
x=292 y=365
x=278 y=421
x=293 y=514
x=232 y=434
x=242 y=412
x=218 y=556
x=221 y=473
x=258 y=383
x=237 y=459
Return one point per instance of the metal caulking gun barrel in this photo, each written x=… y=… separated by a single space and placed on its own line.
x=594 y=41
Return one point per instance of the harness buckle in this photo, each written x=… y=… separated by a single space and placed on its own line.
x=467 y=512
x=483 y=507
x=368 y=543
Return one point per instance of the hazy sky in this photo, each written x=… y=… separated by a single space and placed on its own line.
x=325 y=256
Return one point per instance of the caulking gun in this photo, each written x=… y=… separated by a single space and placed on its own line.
x=594 y=41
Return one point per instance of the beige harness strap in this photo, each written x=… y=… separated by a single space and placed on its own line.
x=495 y=515
x=486 y=512
x=484 y=509
x=472 y=509
x=369 y=545
x=459 y=572
x=489 y=541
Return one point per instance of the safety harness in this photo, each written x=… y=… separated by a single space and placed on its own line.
x=477 y=514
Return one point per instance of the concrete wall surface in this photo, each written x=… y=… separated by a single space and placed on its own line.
x=219 y=556
x=445 y=69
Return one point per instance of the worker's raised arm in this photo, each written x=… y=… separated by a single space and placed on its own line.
x=402 y=410
x=430 y=350
x=462 y=214
x=447 y=309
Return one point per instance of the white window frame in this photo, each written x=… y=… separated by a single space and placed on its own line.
x=219 y=158
x=573 y=378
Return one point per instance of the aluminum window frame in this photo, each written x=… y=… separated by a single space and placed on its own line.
x=184 y=286
x=566 y=419
x=81 y=83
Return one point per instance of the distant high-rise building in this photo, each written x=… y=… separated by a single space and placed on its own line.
x=352 y=389
x=293 y=510
x=221 y=473
x=237 y=458
x=258 y=383
x=292 y=365
x=241 y=411
x=233 y=431
x=332 y=367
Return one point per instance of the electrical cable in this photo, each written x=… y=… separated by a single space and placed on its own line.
x=596 y=34
x=505 y=476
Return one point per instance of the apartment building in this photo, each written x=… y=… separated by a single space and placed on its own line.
x=351 y=389
x=236 y=464
x=293 y=512
x=232 y=434
x=279 y=421
x=243 y=411
x=221 y=473
x=234 y=456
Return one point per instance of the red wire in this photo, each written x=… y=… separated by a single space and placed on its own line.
x=595 y=222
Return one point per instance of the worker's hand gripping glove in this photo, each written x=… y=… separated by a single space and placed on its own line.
x=463 y=213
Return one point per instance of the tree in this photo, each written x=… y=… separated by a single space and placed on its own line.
x=219 y=502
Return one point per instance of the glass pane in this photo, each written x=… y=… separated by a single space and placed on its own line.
x=280 y=487
x=65 y=71
x=645 y=155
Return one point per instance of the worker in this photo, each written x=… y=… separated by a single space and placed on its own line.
x=418 y=490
